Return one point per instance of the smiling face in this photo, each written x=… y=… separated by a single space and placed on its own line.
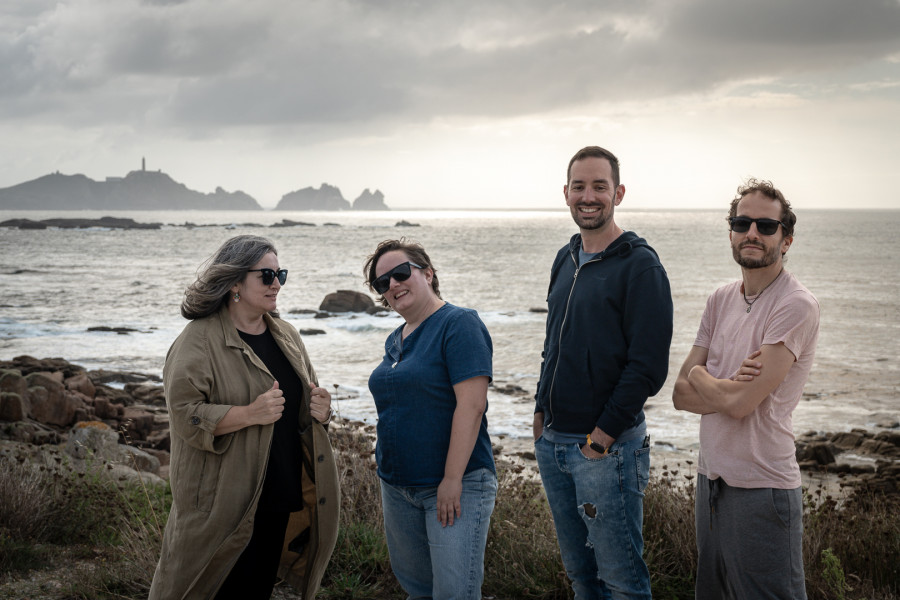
x=406 y=297
x=257 y=298
x=751 y=249
x=591 y=193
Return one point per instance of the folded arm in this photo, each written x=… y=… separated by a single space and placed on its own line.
x=699 y=392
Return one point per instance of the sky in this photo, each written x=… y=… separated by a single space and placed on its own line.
x=458 y=103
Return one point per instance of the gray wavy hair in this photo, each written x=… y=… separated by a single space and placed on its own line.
x=220 y=272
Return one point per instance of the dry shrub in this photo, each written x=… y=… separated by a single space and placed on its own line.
x=851 y=547
x=522 y=557
x=670 y=547
x=360 y=566
x=25 y=513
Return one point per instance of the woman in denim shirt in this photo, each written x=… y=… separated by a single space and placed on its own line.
x=438 y=481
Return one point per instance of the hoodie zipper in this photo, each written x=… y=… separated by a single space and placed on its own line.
x=562 y=326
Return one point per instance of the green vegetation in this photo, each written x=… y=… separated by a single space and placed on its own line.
x=93 y=538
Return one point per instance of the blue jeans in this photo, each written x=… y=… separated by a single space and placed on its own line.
x=598 y=510
x=431 y=561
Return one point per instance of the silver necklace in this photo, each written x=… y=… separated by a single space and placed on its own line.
x=744 y=294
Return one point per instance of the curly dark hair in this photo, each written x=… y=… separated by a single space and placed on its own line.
x=413 y=251
x=788 y=218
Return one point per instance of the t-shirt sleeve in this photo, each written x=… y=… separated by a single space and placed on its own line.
x=704 y=333
x=795 y=322
x=468 y=348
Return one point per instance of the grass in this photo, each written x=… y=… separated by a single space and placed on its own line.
x=95 y=539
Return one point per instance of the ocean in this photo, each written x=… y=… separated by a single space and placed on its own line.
x=56 y=283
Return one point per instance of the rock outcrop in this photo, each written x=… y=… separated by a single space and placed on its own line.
x=327 y=197
x=865 y=460
x=104 y=222
x=40 y=400
x=369 y=201
x=346 y=301
x=139 y=190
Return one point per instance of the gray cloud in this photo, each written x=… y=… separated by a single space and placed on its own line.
x=346 y=64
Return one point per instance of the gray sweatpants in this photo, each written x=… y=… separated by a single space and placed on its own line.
x=749 y=542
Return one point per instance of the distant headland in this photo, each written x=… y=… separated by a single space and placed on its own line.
x=154 y=190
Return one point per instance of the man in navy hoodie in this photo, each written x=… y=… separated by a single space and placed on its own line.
x=606 y=351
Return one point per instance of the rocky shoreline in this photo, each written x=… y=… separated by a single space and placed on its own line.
x=127 y=223
x=50 y=407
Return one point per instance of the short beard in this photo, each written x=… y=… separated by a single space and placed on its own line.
x=766 y=260
x=591 y=224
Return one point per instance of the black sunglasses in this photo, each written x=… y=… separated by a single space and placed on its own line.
x=763 y=226
x=268 y=275
x=400 y=273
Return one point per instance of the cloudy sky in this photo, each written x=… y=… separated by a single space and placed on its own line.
x=459 y=103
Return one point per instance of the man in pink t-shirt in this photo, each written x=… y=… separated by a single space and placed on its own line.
x=745 y=374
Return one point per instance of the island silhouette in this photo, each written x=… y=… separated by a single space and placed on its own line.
x=155 y=190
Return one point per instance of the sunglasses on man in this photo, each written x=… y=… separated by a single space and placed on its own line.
x=763 y=226
x=269 y=275
x=400 y=273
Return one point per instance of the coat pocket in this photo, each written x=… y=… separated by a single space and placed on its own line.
x=207 y=481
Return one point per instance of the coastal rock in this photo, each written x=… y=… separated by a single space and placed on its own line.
x=12 y=381
x=12 y=407
x=104 y=409
x=146 y=393
x=124 y=474
x=137 y=423
x=879 y=447
x=891 y=437
x=47 y=401
x=119 y=330
x=405 y=223
x=103 y=222
x=92 y=439
x=346 y=301
x=821 y=453
x=847 y=440
x=289 y=223
x=369 y=201
x=138 y=459
x=327 y=197
x=81 y=383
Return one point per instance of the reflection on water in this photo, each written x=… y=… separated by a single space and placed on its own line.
x=56 y=283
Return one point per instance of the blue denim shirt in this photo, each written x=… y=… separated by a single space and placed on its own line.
x=413 y=391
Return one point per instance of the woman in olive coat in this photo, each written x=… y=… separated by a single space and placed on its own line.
x=254 y=482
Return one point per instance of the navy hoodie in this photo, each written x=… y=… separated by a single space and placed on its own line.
x=609 y=328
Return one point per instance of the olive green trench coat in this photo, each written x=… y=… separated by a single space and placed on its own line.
x=216 y=481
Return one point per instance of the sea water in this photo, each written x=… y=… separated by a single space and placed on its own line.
x=56 y=283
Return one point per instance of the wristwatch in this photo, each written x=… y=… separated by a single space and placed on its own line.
x=595 y=446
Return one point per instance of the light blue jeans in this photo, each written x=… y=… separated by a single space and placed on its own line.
x=598 y=510
x=431 y=561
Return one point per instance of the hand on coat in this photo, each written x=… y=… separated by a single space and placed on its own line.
x=267 y=407
x=319 y=403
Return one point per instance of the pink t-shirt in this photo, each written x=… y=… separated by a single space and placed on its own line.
x=758 y=450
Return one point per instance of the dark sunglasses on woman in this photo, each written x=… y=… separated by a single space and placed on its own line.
x=763 y=226
x=400 y=273
x=268 y=275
